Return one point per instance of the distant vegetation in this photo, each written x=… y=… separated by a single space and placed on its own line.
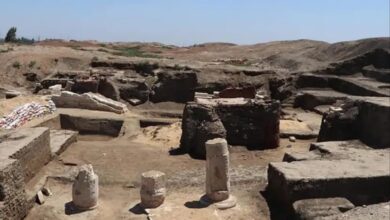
x=11 y=37
x=32 y=64
x=103 y=50
x=16 y=65
x=133 y=52
x=6 y=50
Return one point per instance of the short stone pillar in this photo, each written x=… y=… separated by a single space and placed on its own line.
x=85 y=190
x=153 y=189
x=217 y=174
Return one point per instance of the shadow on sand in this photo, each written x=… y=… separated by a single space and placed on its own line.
x=71 y=209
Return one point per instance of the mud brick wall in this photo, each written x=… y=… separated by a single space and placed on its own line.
x=255 y=125
x=13 y=203
x=46 y=83
x=249 y=92
x=368 y=121
x=35 y=153
x=91 y=125
x=200 y=124
x=374 y=121
x=83 y=86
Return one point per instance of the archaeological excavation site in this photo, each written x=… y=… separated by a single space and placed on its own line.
x=281 y=130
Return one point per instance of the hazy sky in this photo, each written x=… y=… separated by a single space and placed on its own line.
x=185 y=22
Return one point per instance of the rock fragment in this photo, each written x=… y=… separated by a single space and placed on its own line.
x=46 y=191
x=40 y=198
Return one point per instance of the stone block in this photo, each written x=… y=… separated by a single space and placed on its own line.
x=92 y=124
x=367 y=120
x=254 y=124
x=91 y=101
x=360 y=181
x=175 y=86
x=153 y=189
x=376 y=211
x=200 y=123
x=311 y=209
x=61 y=139
x=245 y=122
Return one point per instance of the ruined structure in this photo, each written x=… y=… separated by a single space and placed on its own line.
x=217 y=174
x=85 y=191
x=17 y=168
x=13 y=203
x=355 y=121
x=177 y=86
x=200 y=123
x=227 y=108
x=321 y=208
x=91 y=101
x=248 y=122
x=348 y=169
x=153 y=189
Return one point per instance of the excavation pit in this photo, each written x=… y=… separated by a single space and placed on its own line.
x=119 y=175
x=88 y=123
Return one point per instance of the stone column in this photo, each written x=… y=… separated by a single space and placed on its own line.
x=217 y=174
x=153 y=189
x=85 y=190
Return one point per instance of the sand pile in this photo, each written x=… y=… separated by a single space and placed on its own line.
x=165 y=137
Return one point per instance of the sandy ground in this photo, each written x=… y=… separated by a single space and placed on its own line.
x=165 y=137
x=121 y=203
x=119 y=163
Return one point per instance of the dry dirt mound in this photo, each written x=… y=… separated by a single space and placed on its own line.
x=15 y=61
x=283 y=56
x=298 y=55
x=165 y=137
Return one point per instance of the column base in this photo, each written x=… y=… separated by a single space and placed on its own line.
x=225 y=204
x=79 y=208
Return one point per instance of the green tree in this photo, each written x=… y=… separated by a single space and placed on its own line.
x=11 y=35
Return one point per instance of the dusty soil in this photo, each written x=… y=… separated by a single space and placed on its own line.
x=119 y=163
x=49 y=57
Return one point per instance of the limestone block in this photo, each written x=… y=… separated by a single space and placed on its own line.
x=217 y=175
x=85 y=191
x=91 y=101
x=217 y=169
x=153 y=189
